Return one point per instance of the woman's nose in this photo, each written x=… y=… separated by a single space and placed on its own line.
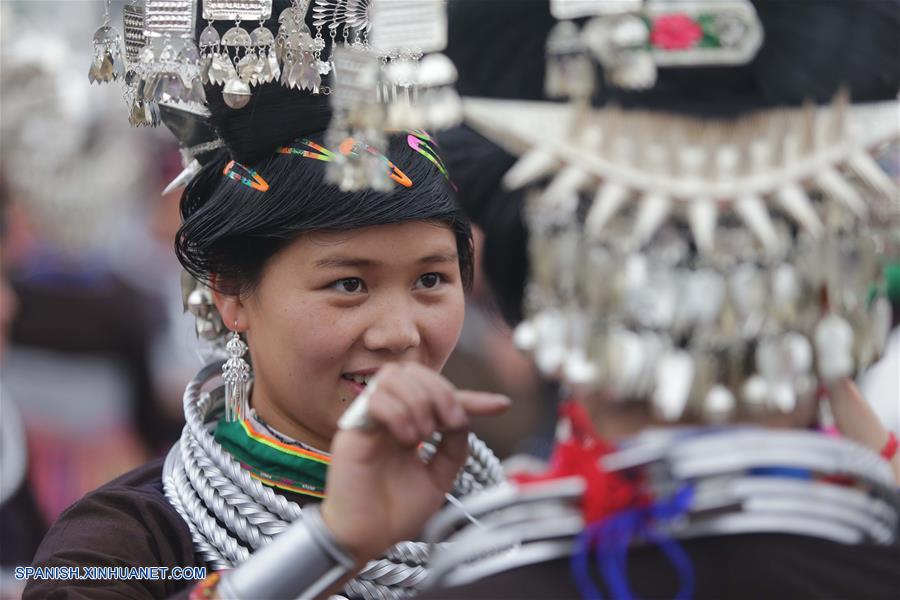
x=394 y=329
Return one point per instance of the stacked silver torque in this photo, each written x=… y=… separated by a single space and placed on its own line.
x=230 y=514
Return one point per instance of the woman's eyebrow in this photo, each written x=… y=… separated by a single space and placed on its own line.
x=344 y=261
x=330 y=262
x=442 y=257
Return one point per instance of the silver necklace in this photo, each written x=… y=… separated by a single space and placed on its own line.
x=207 y=486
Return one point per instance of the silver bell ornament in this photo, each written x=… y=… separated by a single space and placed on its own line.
x=236 y=93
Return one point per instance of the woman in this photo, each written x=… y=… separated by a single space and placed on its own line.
x=330 y=288
x=333 y=291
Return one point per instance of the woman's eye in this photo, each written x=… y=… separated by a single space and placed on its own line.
x=349 y=285
x=429 y=280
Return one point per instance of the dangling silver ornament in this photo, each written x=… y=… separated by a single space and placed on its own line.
x=834 y=348
x=190 y=71
x=263 y=42
x=221 y=70
x=209 y=38
x=237 y=42
x=248 y=68
x=236 y=373
x=236 y=93
x=108 y=63
x=209 y=42
x=441 y=104
x=525 y=336
x=719 y=404
x=674 y=377
x=274 y=70
x=298 y=51
x=579 y=370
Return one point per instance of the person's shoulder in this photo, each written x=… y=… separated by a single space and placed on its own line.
x=131 y=507
x=126 y=522
x=145 y=478
x=137 y=490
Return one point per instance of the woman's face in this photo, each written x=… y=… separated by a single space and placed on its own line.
x=331 y=308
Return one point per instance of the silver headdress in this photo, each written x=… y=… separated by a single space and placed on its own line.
x=766 y=294
x=164 y=63
x=714 y=267
x=380 y=68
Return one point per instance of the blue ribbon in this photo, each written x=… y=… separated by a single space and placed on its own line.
x=612 y=537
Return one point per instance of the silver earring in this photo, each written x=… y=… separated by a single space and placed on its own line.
x=236 y=373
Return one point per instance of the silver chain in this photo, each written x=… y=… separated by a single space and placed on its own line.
x=207 y=486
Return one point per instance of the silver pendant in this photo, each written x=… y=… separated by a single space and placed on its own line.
x=236 y=93
x=108 y=63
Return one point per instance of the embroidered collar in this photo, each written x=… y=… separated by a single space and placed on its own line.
x=273 y=458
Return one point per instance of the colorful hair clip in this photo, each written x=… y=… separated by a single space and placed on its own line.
x=247 y=176
x=420 y=141
x=351 y=148
x=318 y=152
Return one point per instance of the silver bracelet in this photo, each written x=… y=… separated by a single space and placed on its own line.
x=303 y=562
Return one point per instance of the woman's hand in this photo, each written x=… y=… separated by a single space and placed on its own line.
x=378 y=490
x=856 y=420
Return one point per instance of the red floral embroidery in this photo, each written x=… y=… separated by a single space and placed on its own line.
x=675 y=32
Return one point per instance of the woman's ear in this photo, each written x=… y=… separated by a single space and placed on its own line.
x=231 y=308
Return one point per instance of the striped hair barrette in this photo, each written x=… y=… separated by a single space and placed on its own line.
x=349 y=148
x=308 y=149
x=425 y=145
x=245 y=175
x=352 y=148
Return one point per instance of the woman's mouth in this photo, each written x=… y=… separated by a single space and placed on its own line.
x=357 y=382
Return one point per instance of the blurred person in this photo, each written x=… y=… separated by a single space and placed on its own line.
x=143 y=256
x=880 y=385
x=77 y=358
x=671 y=479
x=478 y=165
x=486 y=359
x=21 y=524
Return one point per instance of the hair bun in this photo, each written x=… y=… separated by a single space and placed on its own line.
x=274 y=116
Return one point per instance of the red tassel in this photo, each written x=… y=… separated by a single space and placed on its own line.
x=580 y=454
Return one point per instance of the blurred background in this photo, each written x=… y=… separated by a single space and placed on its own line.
x=94 y=348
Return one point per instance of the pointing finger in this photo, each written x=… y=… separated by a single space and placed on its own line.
x=482 y=403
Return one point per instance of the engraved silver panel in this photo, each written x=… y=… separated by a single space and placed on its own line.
x=408 y=25
x=237 y=10
x=575 y=9
x=169 y=16
x=357 y=76
x=133 y=25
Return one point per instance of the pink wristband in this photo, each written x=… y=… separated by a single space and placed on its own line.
x=890 y=447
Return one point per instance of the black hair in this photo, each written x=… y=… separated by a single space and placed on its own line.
x=811 y=50
x=477 y=165
x=230 y=230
